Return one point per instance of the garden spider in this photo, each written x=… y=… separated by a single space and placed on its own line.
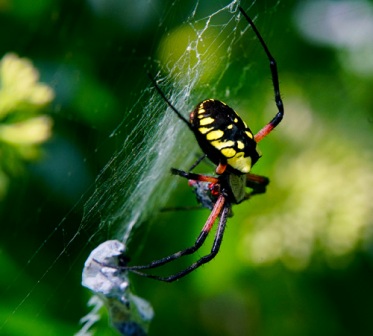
x=227 y=141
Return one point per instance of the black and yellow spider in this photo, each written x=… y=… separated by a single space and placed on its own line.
x=229 y=143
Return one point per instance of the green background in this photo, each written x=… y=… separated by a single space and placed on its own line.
x=96 y=62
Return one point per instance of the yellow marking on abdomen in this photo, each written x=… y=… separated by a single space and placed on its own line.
x=250 y=135
x=228 y=152
x=222 y=144
x=214 y=135
x=200 y=112
x=240 y=145
x=206 y=121
x=205 y=130
x=241 y=163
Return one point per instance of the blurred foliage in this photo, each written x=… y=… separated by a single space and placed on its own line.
x=22 y=128
x=295 y=261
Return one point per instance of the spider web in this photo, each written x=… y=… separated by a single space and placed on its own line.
x=136 y=181
x=216 y=61
x=141 y=170
x=139 y=180
x=141 y=183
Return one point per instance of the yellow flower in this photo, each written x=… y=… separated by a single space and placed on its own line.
x=28 y=132
x=22 y=128
x=20 y=87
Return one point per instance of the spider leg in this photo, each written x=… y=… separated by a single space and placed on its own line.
x=220 y=209
x=214 y=251
x=195 y=164
x=276 y=86
x=220 y=169
x=173 y=108
x=195 y=177
x=257 y=183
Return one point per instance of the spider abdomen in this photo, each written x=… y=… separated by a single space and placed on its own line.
x=224 y=136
